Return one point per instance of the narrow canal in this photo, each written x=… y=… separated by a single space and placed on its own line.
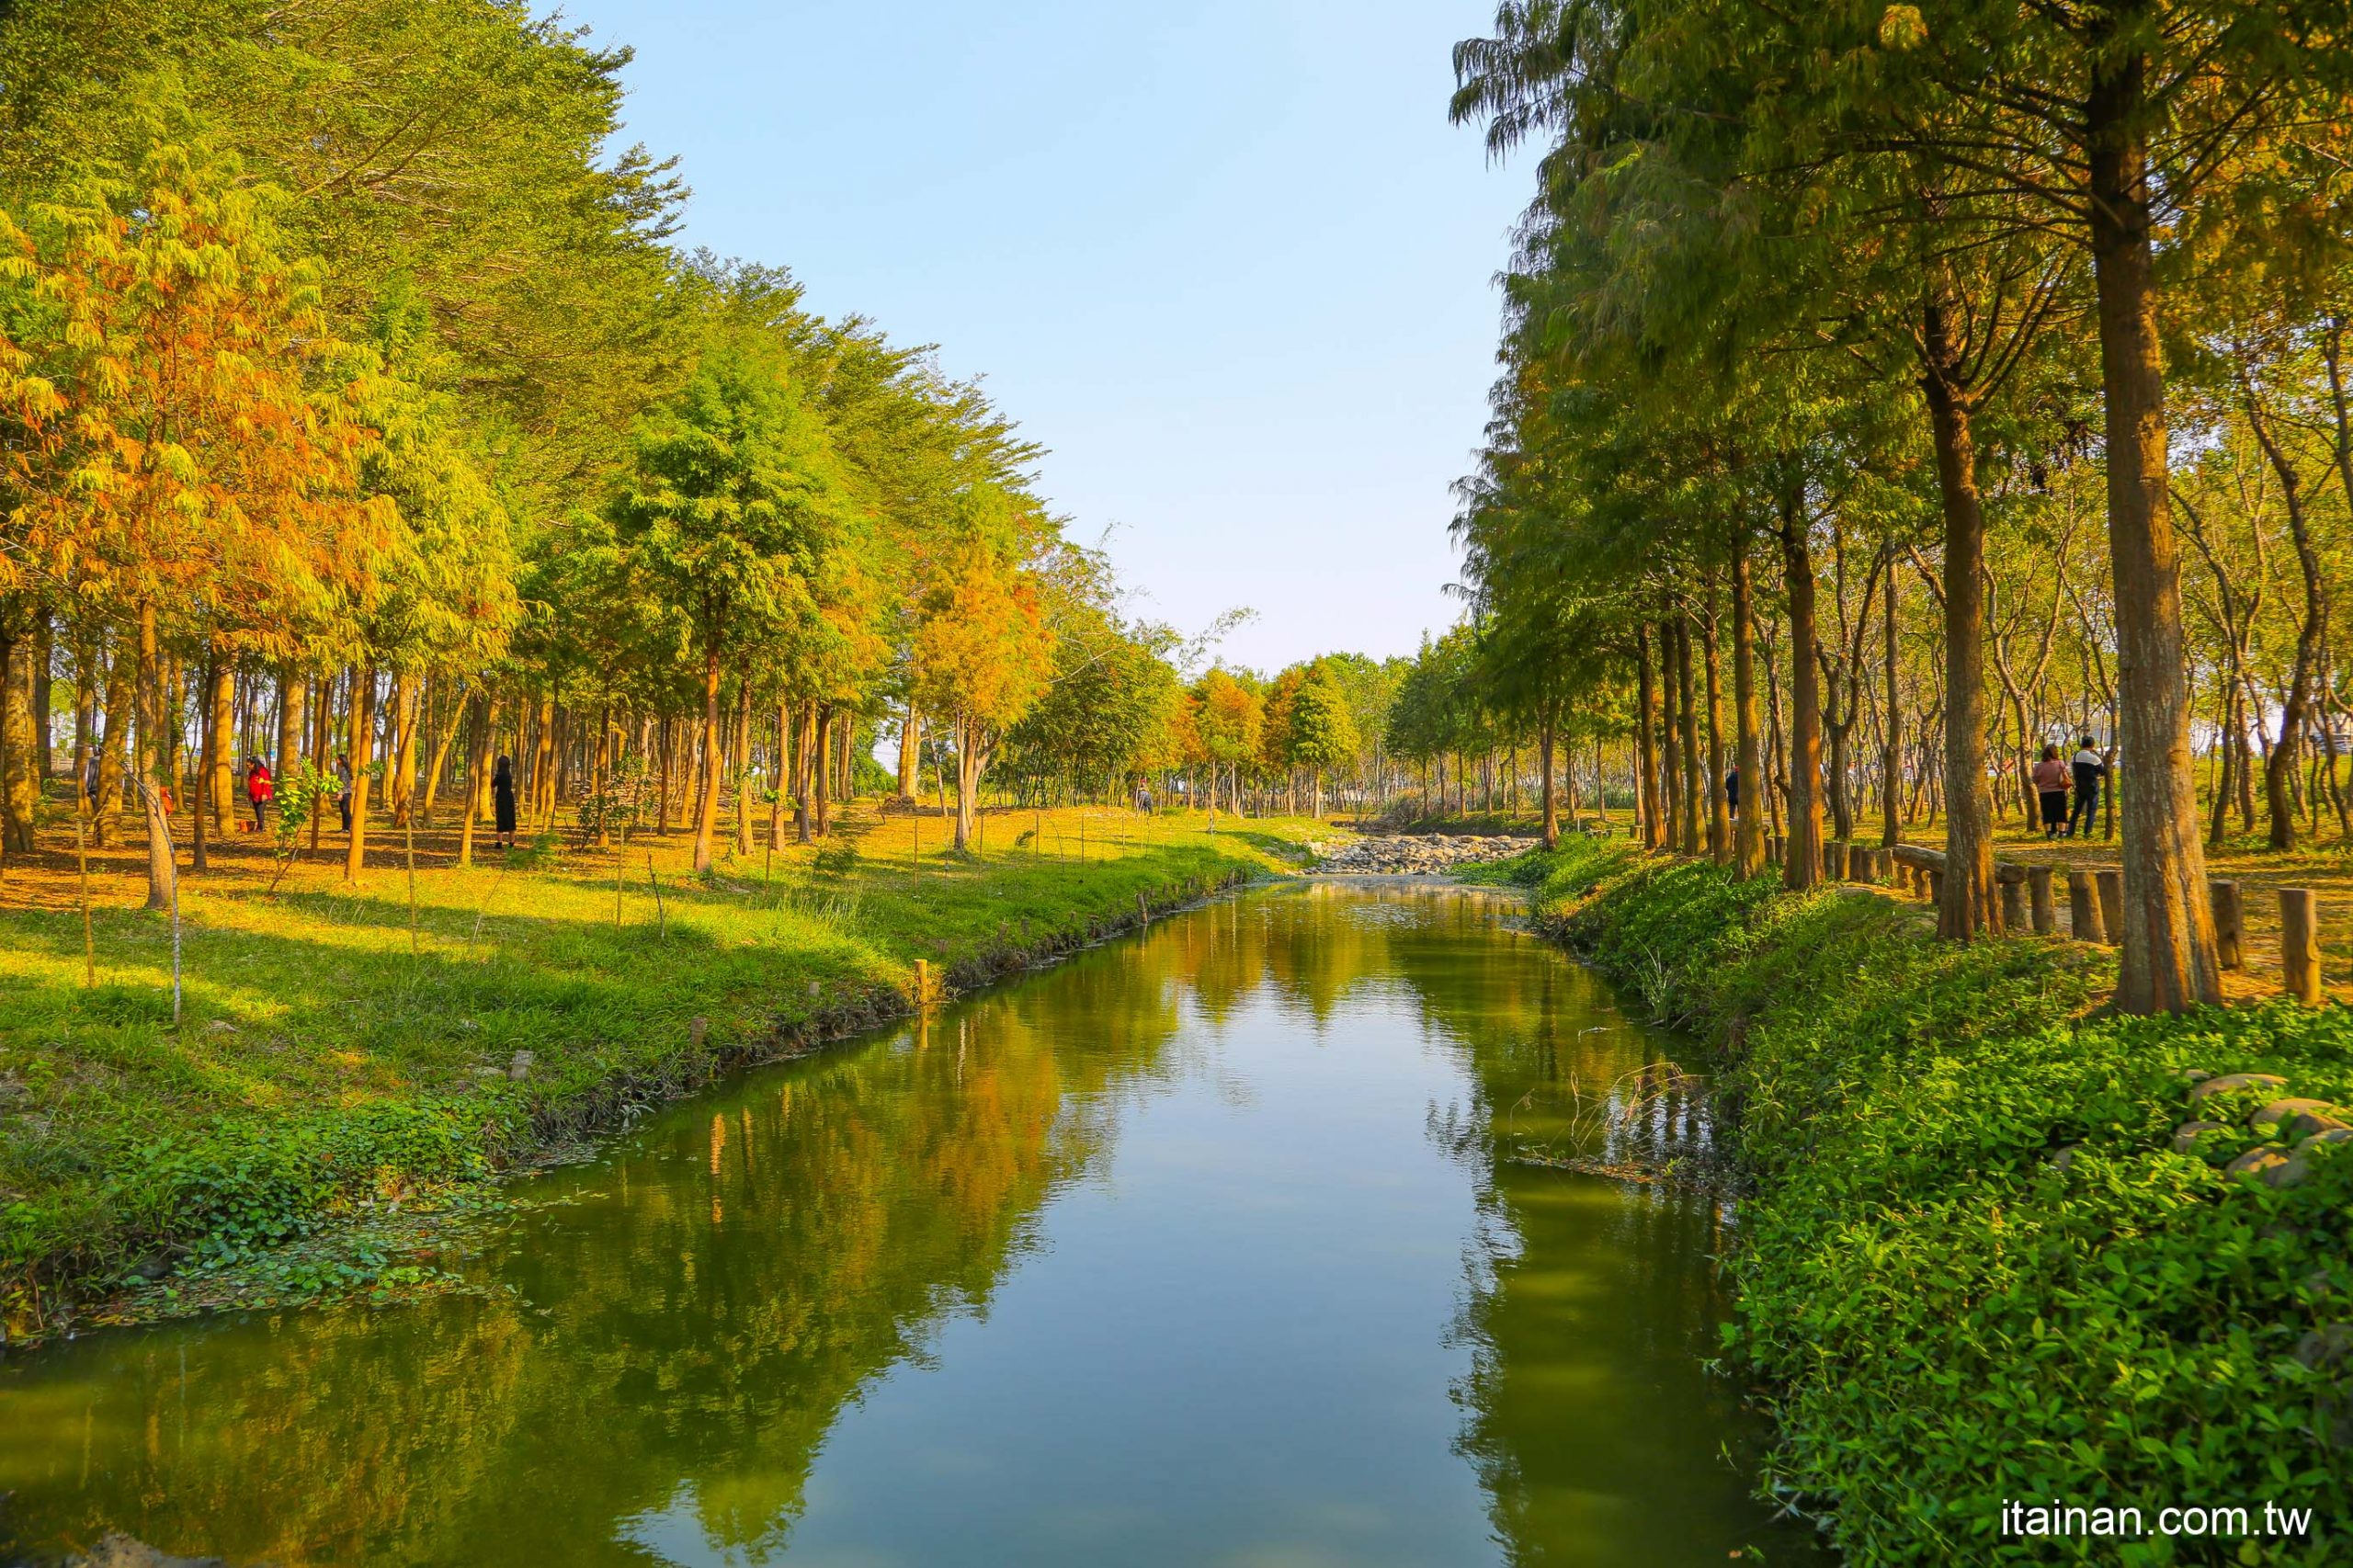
x=1216 y=1245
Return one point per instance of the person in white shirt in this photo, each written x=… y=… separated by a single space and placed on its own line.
x=2089 y=769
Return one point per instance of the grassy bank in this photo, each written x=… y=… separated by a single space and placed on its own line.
x=1974 y=1267
x=332 y=1057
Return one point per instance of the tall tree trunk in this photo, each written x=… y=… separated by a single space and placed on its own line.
x=45 y=656
x=743 y=767
x=439 y=764
x=322 y=750
x=1802 y=866
x=707 y=798
x=86 y=716
x=820 y=752
x=1970 y=904
x=910 y=751
x=204 y=817
x=1749 y=842
x=783 y=773
x=400 y=773
x=362 y=740
x=485 y=728
x=1544 y=761
x=968 y=780
x=2169 y=961
x=666 y=744
x=220 y=744
x=155 y=766
x=543 y=764
x=19 y=748
x=1670 y=744
x=114 y=752
x=1647 y=741
x=1891 y=832
x=1719 y=819
x=803 y=822
x=173 y=715
x=293 y=706
x=1687 y=722
x=2225 y=758
x=2296 y=707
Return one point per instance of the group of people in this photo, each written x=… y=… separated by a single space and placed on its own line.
x=2053 y=779
x=2085 y=772
x=261 y=789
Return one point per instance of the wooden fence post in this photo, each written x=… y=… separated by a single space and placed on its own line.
x=2230 y=922
x=2111 y=904
x=2046 y=917
x=2013 y=906
x=2083 y=909
x=923 y=983
x=1834 y=861
x=2300 y=943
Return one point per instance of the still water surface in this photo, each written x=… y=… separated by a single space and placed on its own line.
x=1212 y=1246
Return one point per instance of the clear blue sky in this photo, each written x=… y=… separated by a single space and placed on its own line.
x=1226 y=260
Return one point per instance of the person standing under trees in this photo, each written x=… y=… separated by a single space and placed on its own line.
x=258 y=790
x=2088 y=770
x=1731 y=790
x=2050 y=789
x=343 y=790
x=502 y=801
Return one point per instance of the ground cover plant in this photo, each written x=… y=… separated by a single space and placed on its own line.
x=1975 y=1267
x=339 y=1053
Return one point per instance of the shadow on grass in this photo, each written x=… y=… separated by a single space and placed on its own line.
x=1274 y=846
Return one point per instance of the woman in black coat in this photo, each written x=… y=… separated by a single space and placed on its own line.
x=502 y=801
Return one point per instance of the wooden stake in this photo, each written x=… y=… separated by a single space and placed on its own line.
x=2299 y=944
x=2111 y=904
x=2046 y=916
x=2083 y=909
x=2230 y=922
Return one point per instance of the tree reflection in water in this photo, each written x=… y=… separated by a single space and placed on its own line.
x=671 y=1345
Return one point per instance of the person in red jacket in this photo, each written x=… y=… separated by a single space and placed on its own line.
x=258 y=790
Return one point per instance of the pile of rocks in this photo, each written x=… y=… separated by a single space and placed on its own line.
x=1410 y=854
x=2285 y=1129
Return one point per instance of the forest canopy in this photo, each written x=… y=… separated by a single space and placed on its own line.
x=362 y=417
x=1970 y=380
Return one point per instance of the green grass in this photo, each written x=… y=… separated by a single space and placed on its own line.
x=326 y=1058
x=1971 y=1267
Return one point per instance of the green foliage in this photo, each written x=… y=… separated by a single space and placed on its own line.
x=1974 y=1267
x=242 y=1188
x=1109 y=710
x=1322 y=729
x=299 y=793
x=733 y=502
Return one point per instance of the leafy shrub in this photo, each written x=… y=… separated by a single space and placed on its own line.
x=1973 y=1269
